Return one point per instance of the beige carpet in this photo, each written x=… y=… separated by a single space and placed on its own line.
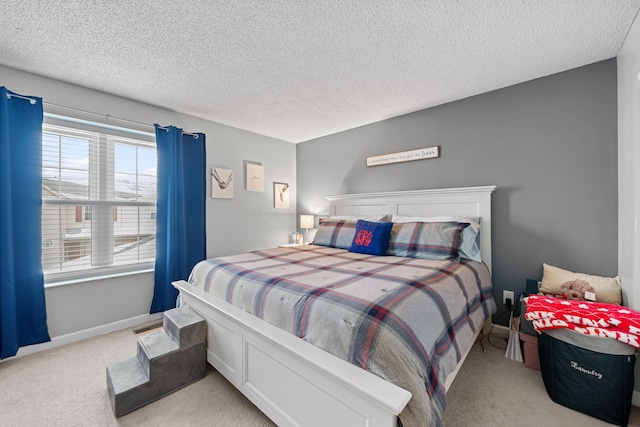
x=66 y=386
x=491 y=390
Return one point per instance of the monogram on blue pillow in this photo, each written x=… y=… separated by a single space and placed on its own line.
x=371 y=238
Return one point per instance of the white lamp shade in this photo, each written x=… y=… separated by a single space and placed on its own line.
x=306 y=221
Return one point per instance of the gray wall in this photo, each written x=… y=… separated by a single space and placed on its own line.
x=550 y=146
x=244 y=223
x=249 y=221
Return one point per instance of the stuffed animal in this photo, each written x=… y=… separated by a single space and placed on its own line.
x=575 y=289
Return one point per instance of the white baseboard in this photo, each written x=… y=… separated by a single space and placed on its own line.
x=87 y=333
x=501 y=328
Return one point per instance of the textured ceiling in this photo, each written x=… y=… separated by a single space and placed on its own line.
x=297 y=70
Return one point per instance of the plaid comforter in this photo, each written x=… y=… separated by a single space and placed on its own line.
x=406 y=320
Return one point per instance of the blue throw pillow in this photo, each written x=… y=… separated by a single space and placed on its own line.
x=371 y=238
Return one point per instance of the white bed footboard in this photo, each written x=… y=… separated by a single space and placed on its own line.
x=290 y=380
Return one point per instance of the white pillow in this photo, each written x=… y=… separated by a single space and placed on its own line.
x=370 y=218
x=474 y=222
x=608 y=289
x=470 y=246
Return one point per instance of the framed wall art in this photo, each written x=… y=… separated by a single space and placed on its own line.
x=221 y=183
x=280 y=195
x=255 y=177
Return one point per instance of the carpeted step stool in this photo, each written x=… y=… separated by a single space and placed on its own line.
x=167 y=360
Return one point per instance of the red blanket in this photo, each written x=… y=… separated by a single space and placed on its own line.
x=589 y=318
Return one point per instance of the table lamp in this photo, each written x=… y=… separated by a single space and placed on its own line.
x=307 y=222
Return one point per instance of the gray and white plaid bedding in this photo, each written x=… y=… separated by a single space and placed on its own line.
x=406 y=320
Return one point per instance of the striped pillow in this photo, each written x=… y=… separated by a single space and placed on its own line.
x=336 y=233
x=426 y=240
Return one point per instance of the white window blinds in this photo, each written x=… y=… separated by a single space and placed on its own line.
x=99 y=203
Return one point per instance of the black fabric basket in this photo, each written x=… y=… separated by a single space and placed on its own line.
x=592 y=382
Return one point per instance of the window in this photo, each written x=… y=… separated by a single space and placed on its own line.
x=98 y=192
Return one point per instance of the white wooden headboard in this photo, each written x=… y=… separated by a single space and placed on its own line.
x=473 y=202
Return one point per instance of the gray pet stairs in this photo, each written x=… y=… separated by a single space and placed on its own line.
x=167 y=360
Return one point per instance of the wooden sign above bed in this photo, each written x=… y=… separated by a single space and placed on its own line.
x=404 y=156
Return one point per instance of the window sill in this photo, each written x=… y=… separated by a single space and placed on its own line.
x=95 y=278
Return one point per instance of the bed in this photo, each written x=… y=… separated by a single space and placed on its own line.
x=319 y=380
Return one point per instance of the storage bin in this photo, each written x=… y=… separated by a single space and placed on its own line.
x=530 y=351
x=592 y=375
x=526 y=326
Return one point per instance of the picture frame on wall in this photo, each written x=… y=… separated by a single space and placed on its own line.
x=255 y=177
x=221 y=183
x=280 y=195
